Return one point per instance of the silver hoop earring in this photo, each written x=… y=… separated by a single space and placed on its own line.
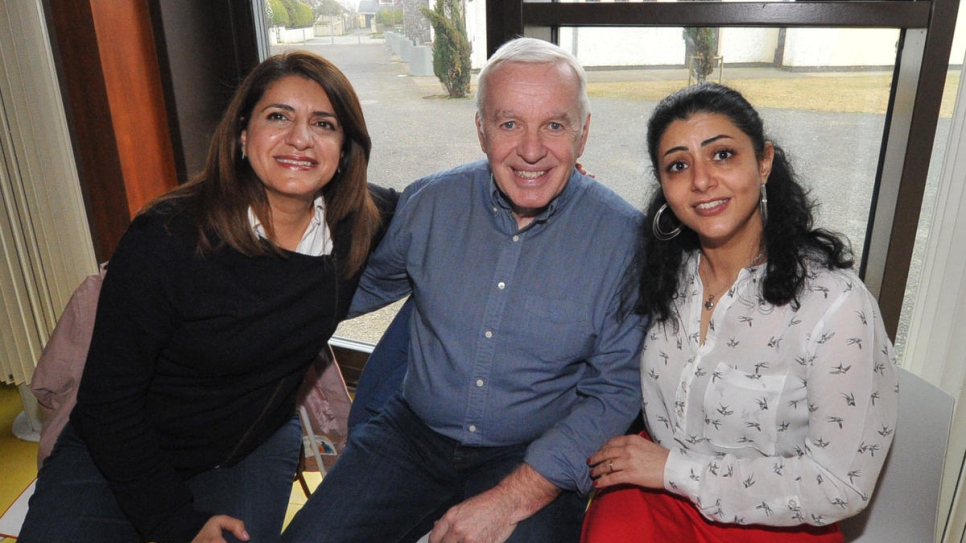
x=763 y=204
x=656 y=227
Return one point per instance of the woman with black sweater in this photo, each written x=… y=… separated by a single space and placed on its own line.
x=218 y=298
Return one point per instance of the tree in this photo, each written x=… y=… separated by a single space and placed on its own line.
x=390 y=17
x=299 y=13
x=451 y=50
x=277 y=13
x=330 y=8
x=702 y=47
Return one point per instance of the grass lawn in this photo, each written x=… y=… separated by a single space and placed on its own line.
x=849 y=93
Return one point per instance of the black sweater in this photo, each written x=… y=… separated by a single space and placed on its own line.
x=196 y=361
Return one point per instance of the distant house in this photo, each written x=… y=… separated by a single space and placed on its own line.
x=369 y=9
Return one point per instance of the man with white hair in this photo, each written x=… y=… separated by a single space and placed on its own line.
x=524 y=351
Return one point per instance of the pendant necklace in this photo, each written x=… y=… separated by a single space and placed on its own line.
x=709 y=303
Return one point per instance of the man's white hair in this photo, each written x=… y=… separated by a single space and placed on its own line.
x=532 y=51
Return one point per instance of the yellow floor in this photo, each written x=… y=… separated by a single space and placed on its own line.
x=18 y=459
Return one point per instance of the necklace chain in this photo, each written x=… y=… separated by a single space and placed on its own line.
x=709 y=303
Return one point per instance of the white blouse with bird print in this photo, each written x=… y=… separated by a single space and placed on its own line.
x=783 y=417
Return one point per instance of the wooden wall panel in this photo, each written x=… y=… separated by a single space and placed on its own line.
x=130 y=67
x=109 y=73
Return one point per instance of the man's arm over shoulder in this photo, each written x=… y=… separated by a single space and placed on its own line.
x=385 y=280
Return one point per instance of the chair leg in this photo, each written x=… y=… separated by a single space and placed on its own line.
x=302 y=483
x=313 y=444
x=300 y=473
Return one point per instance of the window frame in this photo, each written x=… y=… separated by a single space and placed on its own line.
x=922 y=59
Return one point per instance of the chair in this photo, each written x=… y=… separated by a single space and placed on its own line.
x=323 y=408
x=905 y=506
x=323 y=399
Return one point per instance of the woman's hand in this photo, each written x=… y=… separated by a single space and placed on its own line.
x=630 y=460
x=211 y=531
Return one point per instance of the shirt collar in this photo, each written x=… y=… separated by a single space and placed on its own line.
x=316 y=240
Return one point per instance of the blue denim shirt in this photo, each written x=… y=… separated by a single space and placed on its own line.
x=517 y=335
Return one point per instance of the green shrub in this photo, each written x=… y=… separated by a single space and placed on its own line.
x=390 y=16
x=702 y=45
x=303 y=15
x=451 y=50
x=299 y=13
x=278 y=15
x=331 y=8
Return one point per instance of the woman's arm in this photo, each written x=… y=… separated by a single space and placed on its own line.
x=136 y=315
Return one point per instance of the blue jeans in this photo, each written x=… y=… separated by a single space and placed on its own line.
x=396 y=477
x=74 y=503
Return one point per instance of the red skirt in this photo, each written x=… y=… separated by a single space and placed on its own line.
x=636 y=515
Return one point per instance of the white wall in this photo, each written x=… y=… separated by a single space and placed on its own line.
x=476 y=31
x=836 y=47
x=624 y=46
x=748 y=45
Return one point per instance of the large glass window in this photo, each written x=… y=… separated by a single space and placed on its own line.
x=824 y=94
x=415 y=129
x=936 y=162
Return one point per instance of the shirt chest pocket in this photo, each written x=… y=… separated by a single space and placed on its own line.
x=742 y=409
x=558 y=329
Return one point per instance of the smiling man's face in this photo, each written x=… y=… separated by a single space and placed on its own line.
x=532 y=132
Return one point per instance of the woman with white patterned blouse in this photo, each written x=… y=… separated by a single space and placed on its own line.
x=770 y=390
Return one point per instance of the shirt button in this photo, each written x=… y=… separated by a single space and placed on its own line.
x=488 y=334
x=479 y=382
x=472 y=428
x=792 y=503
x=516 y=238
x=501 y=285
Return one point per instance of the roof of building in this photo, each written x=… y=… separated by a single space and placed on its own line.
x=368 y=6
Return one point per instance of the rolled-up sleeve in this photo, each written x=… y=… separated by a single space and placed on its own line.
x=608 y=400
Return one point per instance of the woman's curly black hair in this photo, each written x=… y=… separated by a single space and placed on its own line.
x=790 y=239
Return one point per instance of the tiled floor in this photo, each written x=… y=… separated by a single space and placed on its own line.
x=18 y=459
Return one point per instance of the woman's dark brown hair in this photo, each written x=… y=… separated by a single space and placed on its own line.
x=791 y=240
x=219 y=197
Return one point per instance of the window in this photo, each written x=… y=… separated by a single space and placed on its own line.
x=836 y=83
x=922 y=50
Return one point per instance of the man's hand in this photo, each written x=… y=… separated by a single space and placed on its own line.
x=581 y=169
x=493 y=515
x=486 y=518
x=211 y=531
